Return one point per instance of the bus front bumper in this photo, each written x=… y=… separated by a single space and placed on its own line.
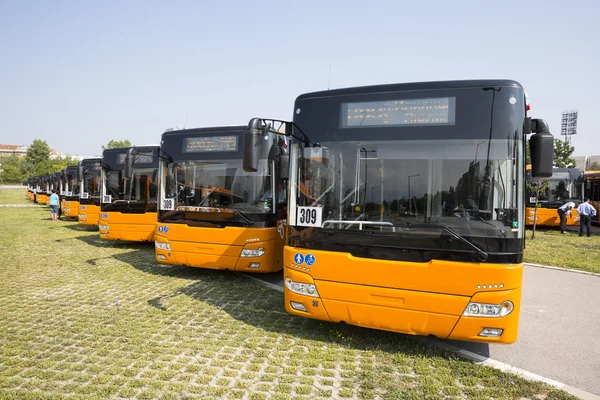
x=88 y=215
x=404 y=311
x=127 y=232
x=219 y=256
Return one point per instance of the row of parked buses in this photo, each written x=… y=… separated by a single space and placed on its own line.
x=565 y=185
x=397 y=207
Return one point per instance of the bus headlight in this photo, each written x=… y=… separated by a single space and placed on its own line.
x=488 y=310
x=162 y=246
x=103 y=227
x=252 y=252
x=307 y=289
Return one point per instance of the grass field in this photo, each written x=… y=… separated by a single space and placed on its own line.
x=550 y=247
x=82 y=319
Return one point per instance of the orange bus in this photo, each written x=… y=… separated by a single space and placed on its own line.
x=31 y=187
x=212 y=213
x=70 y=192
x=129 y=193
x=565 y=184
x=592 y=190
x=43 y=194
x=89 y=171
x=406 y=206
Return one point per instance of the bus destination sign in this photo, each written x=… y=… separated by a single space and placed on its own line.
x=210 y=144
x=406 y=112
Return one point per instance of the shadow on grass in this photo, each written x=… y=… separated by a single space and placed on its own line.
x=93 y=239
x=80 y=228
x=248 y=301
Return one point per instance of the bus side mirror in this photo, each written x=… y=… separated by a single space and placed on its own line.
x=284 y=166
x=251 y=145
x=541 y=147
x=128 y=168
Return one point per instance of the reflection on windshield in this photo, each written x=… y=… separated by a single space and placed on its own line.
x=395 y=186
x=221 y=184
x=142 y=187
x=91 y=183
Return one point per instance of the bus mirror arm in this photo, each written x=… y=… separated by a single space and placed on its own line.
x=128 y=169
x=541 y=147
x=284 y=166
x=251 y=144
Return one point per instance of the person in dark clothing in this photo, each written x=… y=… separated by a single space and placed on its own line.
x=563 y=211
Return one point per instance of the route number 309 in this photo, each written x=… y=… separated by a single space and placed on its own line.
x=309 y=216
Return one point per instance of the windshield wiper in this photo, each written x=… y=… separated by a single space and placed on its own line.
x=482 y=255
x=242 y=216
x=489 y=223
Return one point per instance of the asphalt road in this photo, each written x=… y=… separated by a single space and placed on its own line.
x=559 y=330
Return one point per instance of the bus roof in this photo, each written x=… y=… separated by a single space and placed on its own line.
x=238 y=128
x=399 y=87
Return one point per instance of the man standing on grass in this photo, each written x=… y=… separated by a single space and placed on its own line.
x=563 y=211
x=586 y=211
x=54 y=205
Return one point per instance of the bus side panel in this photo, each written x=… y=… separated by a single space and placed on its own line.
x=130 y=227
x=549 y=217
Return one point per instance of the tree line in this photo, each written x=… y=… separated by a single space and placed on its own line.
x=37 y=161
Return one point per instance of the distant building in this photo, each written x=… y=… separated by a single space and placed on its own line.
x=7 y=150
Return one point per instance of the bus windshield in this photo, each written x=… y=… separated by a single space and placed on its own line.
x=220 y=183
x=137 y=195
x=393 y=185
x=204 y=182
x=417 y=179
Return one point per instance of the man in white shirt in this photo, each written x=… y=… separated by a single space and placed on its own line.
x=563 y=211
x=586 y=211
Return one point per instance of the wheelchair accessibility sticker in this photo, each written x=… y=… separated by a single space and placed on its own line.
x=310 y=260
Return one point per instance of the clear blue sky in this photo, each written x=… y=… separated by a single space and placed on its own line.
x=80 y=73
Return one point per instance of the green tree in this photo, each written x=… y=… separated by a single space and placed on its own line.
x=38 y=152
x=116 y=144
x=563 y=152
x=539 y=187
x=38 y=155
x=12 y=170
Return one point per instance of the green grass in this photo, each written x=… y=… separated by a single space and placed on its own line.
x=550 y=247
x=14 y=196
x=82 y=318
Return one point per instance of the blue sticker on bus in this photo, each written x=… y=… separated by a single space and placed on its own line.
x=104 y=216
x=299 y=258
x=310 y=259
x=164 y=229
